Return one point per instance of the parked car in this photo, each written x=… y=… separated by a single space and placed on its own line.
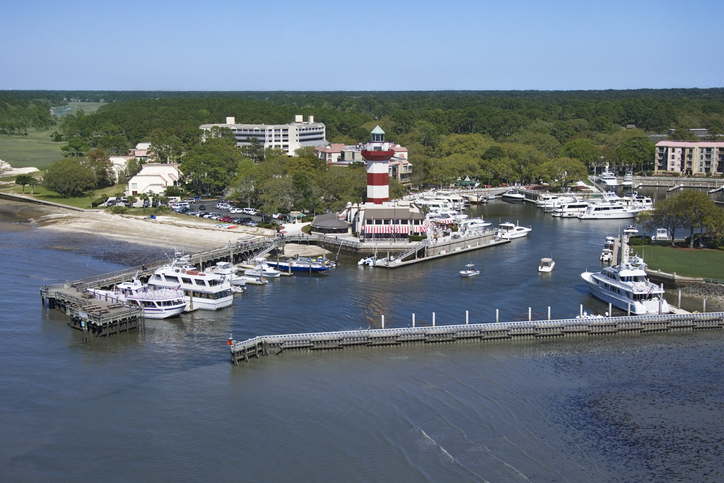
x=202 y=208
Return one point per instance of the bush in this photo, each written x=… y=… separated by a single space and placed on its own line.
x=119 y=210
x=640 y=240
x=417 y=238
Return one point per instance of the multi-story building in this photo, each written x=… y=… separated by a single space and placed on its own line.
x=690 y=157
x=288 y=137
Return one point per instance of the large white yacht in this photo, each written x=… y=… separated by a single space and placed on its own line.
x=156 y=303
x=607 y=179
x=627 y=286
x=570 y=210
x=610 y=208
x=205 y=291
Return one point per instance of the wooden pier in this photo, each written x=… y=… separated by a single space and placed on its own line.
x=93 y=316
x=586 y=326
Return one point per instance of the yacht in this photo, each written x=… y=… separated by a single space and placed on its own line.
x=554 y=203
x=570 y=210
x=610 y=208
x=299 y=264
x=227 y=270
x=608 y=180
x=202 y=290
x=513 y=195
x=627 y=286
x=508 y=231
x=156 y=303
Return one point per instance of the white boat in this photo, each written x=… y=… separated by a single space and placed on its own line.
x=262 y=269
x=473 y=225
x=156 y=303
x=627 y=180
x=662 y=234
x=627 y=286
x=630 y=230
x=611 y=208
x=469 y=271
x=367 y=262
x=606 y=255
x=227 y=269
x=299 y=264
x=570 y=210
x=205 y=291
x=513 y=195
x=607 y=179
x=508 y=231
x=546 y=265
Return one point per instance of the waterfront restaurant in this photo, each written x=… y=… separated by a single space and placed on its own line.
x=386 y=221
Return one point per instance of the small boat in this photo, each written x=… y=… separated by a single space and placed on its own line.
x=367 y=262
x=513 y=195
x=662 y=234
x=262 y=269
x=508 y=231
x=627 y=180
x=546 y=265
x=630 y=230
x=469 y=271
x=156 y=303
x=606 y=255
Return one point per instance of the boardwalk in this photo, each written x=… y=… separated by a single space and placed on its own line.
x=276 y=344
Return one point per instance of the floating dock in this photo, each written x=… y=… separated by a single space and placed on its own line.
x=585 y=326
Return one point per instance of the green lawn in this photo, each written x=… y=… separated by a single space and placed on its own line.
x=36 y=149
x=698 y=262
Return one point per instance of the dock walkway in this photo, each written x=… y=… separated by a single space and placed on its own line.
x=586 y=326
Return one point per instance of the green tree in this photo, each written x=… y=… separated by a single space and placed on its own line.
x=244 y=184
x=24 y=180
x=695 y=210
x=69 y=178
x=563 y=170
x=99 y=162
x=635 y=149
x=583 y=150
x=75 y=148
x=211 y=166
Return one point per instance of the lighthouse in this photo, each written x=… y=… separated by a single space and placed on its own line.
x=377 y=153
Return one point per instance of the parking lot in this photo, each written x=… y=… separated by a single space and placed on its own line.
x=225 y=213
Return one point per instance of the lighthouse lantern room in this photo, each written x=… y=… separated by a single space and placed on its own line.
x=377 y=153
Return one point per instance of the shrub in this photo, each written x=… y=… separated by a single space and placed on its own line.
x=119 y=210
x=640 y=240
x=417 y=238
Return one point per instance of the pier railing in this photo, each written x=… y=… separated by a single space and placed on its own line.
x=266 y=344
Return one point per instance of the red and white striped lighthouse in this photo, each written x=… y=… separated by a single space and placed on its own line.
x=377 y=153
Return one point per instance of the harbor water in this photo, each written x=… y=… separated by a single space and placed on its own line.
x=165 y=404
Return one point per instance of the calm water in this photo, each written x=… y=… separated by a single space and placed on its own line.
x=167 y=405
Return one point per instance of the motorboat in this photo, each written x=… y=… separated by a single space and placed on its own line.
x=261 y=269
x=606 y=255
x=474 y=225
x=508 y=231
x=627 y=180
x=627 y=286
x=156 y=303
x=299 y=265
x=546 y=265
x=570 y=210
x=469 y=271
x=228 y=270
x=513 y=195
x=630 y=230
x=553 y=203
x=607 y=179
x=662 y=234
x=202 y=290
x=367 y=262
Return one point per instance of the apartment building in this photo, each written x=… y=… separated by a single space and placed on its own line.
x=690 y=157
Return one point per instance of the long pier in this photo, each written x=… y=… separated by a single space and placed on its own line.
x=242 y=351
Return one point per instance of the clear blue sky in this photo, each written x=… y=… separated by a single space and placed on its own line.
x=373 y=45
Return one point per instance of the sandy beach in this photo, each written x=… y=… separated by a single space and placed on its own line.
x=187 y=233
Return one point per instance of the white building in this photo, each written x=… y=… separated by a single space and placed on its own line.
x=154 y=179
x=288 y=137
x=690 y=157
x=118 y=165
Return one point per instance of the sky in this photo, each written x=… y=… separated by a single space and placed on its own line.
x=393 y=45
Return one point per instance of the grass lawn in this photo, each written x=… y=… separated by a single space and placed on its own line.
x=83 y=202
x=36 y=149
x=697 y=262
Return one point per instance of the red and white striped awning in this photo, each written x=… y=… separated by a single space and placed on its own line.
x=402 y=229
